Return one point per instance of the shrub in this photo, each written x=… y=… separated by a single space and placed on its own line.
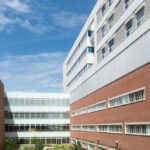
x=38 y=144
x=12 y=144
x=77 y=146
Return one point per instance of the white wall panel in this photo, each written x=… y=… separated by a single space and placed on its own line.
x=36 y=109
x=37 y=134
x=119 y=63
x=37 y=121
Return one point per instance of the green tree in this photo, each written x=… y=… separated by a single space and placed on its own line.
x=38 y=144
x=12 y=144
x=77 y=146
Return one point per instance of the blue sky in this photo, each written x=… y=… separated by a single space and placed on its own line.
x=35 y=37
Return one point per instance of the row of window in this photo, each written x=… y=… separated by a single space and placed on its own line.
x=36 y=115
x=84 y=53
x=111 y=128
x=77 y=48
x=91 y=145
x=111 y=18
x=97 y=107
x=10 y=101
x=81 y=72
x=127 y=98
x=128 y=27
x=92 y=108
x=79 y=112
x=36 y=127
x=45 y=140
x=101 y=12
x=130 y=128
x=138 y=95
x=75 y=127
x=77 y=62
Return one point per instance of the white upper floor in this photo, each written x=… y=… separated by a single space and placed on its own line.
x=120 y=39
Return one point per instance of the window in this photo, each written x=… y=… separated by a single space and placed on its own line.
x=75 y=127
x=78 y=61
x=73 y=140
x=103 y=9
x=37 y=101
x=128 y=27
x=101 y=147
x=102 y=128
x=91 y=146
x=110 y=21
x=51 y=115
x=138 y=129
x=84 y=144
x=90 y=33
x=131 y=97
x=115 y=128
x=79 y=74
x=139 y=16
x=90 y=49
x=103 y=52
x=73 y=113
x=111 y=128
x=110 y=44
x=97 y=107
x=81 y=111
x=88 y=127
x=76 y=49
x=109 y=2
x=103 y=31
x=126 y=2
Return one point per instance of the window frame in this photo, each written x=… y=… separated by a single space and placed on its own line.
x=136 y=123
x=128 y=30
x=138 y=22
x=103 y=9
x=127 y=93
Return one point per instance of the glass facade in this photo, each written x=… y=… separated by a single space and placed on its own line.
x=36 y=127
x=36 y=115
x=50 y=102
x=37 y=119
x=45 y=140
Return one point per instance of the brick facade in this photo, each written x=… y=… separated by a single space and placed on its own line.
x=136 y=112
x=1 y=115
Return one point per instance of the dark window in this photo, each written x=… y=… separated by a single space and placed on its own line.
x=111 y=43
x=139 y=16
x=103 y=9
x=126 y=3
x=128 y=27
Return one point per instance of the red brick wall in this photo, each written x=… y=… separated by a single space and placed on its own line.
x=1 y=115
x=136 y=112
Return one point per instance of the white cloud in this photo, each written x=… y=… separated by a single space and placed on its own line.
x=5 y=20
x=16 y=5
x=68 y=19
x=41 y=72
x=17 y=12
x=38 y=28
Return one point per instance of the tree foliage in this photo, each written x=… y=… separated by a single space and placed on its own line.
x=77 y=146
x=38 y=144
x=12 y=144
